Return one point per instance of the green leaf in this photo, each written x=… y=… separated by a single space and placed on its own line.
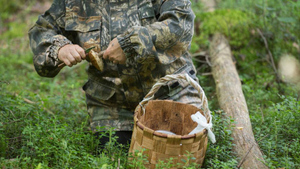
x=287 y=19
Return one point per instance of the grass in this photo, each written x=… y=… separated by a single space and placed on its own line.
x=44 y=123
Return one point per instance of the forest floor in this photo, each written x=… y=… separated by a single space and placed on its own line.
x=44 y=123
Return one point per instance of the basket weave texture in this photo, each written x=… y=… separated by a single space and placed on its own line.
x=170 y=116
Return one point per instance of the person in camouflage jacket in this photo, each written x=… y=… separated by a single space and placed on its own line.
x=142 y=41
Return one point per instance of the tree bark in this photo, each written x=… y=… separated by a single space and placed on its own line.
x=231 y=99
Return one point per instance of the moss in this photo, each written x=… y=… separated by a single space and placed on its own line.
x=234 y=24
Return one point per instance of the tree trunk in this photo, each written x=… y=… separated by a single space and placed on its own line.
x=232 y=101
x=209 y=5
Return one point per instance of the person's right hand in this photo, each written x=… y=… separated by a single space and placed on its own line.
x=71 y=54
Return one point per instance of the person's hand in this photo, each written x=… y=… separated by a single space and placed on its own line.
x=71 y=54
x=115 y=53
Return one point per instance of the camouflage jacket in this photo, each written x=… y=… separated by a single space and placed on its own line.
x=155 y=36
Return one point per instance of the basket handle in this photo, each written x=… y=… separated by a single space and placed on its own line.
x=163 y=81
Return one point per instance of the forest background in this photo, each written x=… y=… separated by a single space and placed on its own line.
x=44 y=124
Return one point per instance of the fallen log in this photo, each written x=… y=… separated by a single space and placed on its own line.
x=231 y=99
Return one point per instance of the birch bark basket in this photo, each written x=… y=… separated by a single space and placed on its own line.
x=231 y=99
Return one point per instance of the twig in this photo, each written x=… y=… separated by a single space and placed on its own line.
x=200 y=67
x=262 y=114
x=15 y=121
x=200 y=54
x=206 y=74
x=198 y=60
x=12 y=122
x=119 y=163
x=14 y=138
x=28 y=101
x=269 y=52
x=207 y=60
x=49 y=111
x=4 y=81
x=244 y=158
x=27 y=114
x=12 y=159
x=12 y=113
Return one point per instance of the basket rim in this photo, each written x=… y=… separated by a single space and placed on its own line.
x=142 y=127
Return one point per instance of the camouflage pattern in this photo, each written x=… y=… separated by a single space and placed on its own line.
x=155 y=36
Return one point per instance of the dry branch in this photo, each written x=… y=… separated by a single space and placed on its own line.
x=232 y=101
x=271 y=58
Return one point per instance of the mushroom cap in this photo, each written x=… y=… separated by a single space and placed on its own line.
x=96 y=60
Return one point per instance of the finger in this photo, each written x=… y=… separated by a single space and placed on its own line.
x=62 y=52
x=81 y=52
x=76 y=55
x=71 y=59
x=111 y=58
x=105 y=55
x=101 y=53
x=68 y=63
x=122 y=62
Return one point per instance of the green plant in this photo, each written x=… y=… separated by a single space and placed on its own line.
x=220 y=154
x=3 y=145
x=44 y=123
x=234 y=24
x=165 y=164
x=281 y=126
x=10 y=7
x=189 y=162
x=137 y=159
x=278 y=20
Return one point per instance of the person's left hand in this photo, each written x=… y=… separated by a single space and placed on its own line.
x=115 y=53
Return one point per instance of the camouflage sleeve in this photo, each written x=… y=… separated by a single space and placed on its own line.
x=46 y=39
x=165 y=40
